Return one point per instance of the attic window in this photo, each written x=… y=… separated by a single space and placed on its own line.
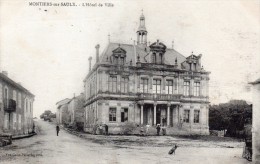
x=119 y=56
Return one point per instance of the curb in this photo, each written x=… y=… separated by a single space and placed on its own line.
x=23 y=136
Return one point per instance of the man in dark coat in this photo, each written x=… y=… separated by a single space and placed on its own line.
x=158 y=129
x=57 y=129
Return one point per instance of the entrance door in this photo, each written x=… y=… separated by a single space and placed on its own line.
x=158 y=116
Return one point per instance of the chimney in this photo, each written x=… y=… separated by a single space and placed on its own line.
x=97 y=53
x=89 y=59
x=5 y=73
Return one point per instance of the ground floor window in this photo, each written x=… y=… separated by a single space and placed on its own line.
x=112 y=114
x=196 y=116
x=14 y=121
x=186 y=116
x=124 y=115
x=6 y=121
x=19 y=122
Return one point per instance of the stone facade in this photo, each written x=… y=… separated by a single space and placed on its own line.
x=256 y=121
x=62 y=111
x=147 y=85
x=16 y=107
x=76 y=109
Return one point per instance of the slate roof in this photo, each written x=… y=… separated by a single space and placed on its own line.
x=132 y=51
x=13 y=83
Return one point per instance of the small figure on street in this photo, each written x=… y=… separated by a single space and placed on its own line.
x=106 y=129
x=164 y=130
x=158 y=128
x=57 y=129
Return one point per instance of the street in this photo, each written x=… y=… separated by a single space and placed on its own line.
x=46 y=147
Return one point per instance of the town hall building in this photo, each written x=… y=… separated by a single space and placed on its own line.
x=147 y=84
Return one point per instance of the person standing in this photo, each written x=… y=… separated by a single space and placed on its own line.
x=106 y=129
x=158 y=129
x=57 y=129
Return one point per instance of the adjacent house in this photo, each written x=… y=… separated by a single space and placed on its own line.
x=147 y=84
x=16 y=107
x=256 y=121
x=76 y=109
x=62 y=111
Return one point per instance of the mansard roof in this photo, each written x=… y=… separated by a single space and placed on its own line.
x=132 y=51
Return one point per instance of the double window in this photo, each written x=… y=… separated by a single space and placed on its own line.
x=196 y=116
x=144 y=85
x=197 y=89
x=186 y=88
x=124 y=84
x=157 y=86
x=112 y=84
x=169 y=87
x=112 y=114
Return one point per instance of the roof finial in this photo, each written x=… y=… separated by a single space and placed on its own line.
x=108 y=38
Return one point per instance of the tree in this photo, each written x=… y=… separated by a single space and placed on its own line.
x=231 y=116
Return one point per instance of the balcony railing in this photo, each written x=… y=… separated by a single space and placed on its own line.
x=9 y=105
x=159 y=97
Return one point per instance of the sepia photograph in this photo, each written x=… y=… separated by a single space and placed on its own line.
x=129 y=82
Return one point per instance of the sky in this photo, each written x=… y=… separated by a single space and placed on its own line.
x=46 y=48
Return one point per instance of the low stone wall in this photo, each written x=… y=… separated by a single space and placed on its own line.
x=147 y=130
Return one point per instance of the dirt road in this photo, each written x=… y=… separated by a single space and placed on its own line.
x=46 y=147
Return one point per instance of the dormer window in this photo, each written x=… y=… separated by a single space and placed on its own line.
x=119 y=56
x=158 y=49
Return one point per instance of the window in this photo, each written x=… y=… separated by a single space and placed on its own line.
x=112 y=84
x=186 y=88
x=196 y=116
x=19 y=100
x=124 y=115
x=157 y=86
x=122 y=60
x=14 y=95
x=161 y=59
x=112 y=114
x=169 y=87
x=144 y=85
x=124 y=84
x=116 y=60
x=19 y=122
x=186 y=116
x=14 y=121
x=6 y=121
x=154 y=58
x=6 y=97
x=196 y=88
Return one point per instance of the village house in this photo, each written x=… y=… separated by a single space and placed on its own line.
x=256 y=121
x=147 y=84
x=76 y=109
x=62 y=111
x=16 y=107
